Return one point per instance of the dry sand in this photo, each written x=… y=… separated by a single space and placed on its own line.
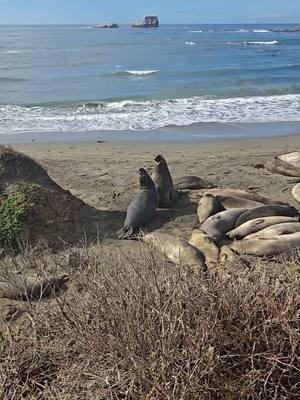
x=104 y=175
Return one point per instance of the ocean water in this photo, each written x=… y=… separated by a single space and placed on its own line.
x=78 y=79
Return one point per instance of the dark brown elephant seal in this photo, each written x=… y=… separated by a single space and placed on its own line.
x=244 y=194
x=267 y=211
x=192 y=182
x=270 y=246
x=219 y=224
x=208 y=205
x=282 y=168
x=17 y=287
x=142 y=208
x=176 y=250
x=166 y=195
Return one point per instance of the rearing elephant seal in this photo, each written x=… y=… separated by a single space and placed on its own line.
x=166 y=195
x=142 y=208
x=267 y=211
x=16 y=287
x=176 y=250
x=218 y=225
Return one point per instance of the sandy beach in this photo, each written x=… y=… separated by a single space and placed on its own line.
x=104 y=175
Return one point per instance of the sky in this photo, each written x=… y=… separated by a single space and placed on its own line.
x=168 y=11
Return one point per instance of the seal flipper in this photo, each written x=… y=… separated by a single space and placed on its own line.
x=125 y=233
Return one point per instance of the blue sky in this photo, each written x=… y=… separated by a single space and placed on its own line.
x=169 y=11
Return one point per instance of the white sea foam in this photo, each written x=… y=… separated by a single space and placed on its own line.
x=190 y=43
x=261 y=31
x=142 y=73
x=144 y=115
x=269 y=43
x=195 y=31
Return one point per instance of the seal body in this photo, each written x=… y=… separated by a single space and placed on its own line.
x=269 y=246
x=258 y=224
x=276 y=230
x=230 y=202
x=267 y=211
x=17 y=287
x=244 y=194
x=208 y=205
x=219 y=224
x=296 y=192
x=142 y=208
x=166 y=195
x=292 y=158
x=192 y=182
x=282 y=168
x=206 y=245
x=176 y=250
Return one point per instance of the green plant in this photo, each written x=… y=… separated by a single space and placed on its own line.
x=13 y=210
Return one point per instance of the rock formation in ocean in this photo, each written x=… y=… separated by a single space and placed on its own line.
x=108 y=26
x=146 y=22
x=33 y=208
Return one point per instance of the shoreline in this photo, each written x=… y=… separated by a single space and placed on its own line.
x=203 y=132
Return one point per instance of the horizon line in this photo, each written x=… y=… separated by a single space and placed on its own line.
x=161 y=24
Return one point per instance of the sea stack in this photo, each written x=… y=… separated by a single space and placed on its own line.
x=146 y=22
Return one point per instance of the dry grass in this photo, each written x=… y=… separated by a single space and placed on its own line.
x=132 y=327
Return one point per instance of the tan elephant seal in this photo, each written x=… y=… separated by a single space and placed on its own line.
x=227 y=255
x=206 y=245
x=177 y=250
x=166 y=195
x=270 y=246
x=282 y=168
x=230 y=202
x=17 y=287
x=244 y=194
x=192 y=182
x=258 y=224
x=219 y=224
x=292 y=158
x=267 y=211
x=296 y=192
x=208 y=205
x=276 y=230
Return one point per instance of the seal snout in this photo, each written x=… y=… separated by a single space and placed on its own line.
x=159 y=158
x=142 y=172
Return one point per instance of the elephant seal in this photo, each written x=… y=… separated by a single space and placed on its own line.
x=282 y=168
x=219 y=224
x=230 y=202
x=258 y=224
x=296 y=192
x=192 y=182
x=142 y=208
x=206 y=245
x=17 y=287
x=208 y=205
x=276 y=230
x=166 y=195
x=244 y=194
x=292 y=158
x=270 y=246
x=176 y=250
x=267 y=211
x=227 y=255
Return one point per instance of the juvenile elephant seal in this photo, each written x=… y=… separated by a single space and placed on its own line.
x=271 y=246
x=292 y=158
x=282 y=168
x=142 y=208
x=206 y=245
x=296 y=192
x=166 y=195
x=208 y=205
x=230 y=202
x=218 y=225
x=244 y=194
x=176 y=250
x=258 y=224
x=16 y=287
x=192 y=182
x=266 y=211
x=276 y=230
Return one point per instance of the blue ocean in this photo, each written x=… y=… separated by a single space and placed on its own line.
x=80 y=78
